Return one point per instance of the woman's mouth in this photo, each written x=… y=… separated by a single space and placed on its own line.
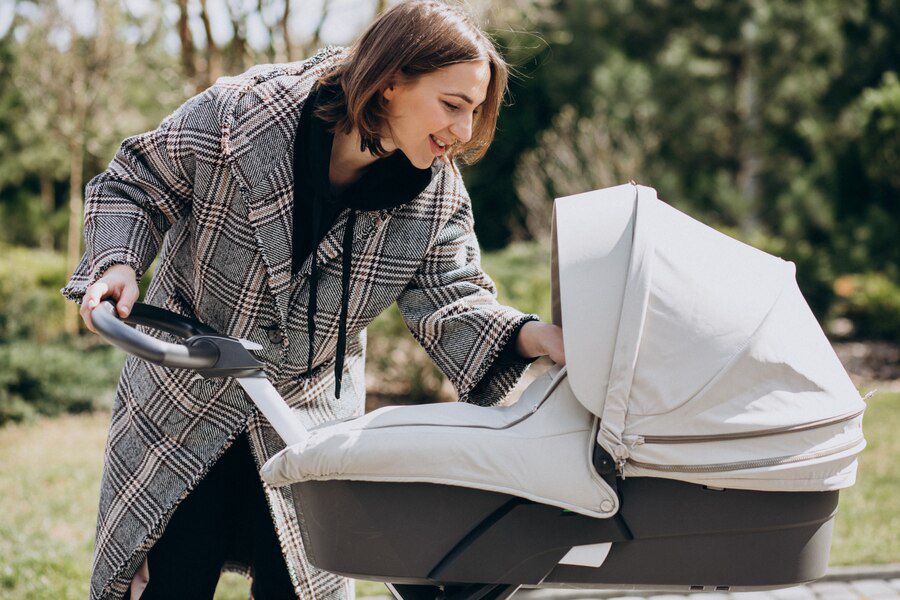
x=436 y=148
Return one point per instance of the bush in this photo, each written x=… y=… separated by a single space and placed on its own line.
x=522 y=274
x=50 y=379
x=871 y=302
x=30 y=303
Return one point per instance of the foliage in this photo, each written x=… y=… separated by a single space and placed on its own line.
x=776 y=121
x=871 y=302
x=30 y=303
x=43 y=372
x=50 y=379
x=521 y=272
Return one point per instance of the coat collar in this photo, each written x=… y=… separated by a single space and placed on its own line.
x=260 y=119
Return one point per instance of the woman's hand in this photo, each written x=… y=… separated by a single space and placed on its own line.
x=118 y=282
x=541 y=339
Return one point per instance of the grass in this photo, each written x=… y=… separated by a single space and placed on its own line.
x=50 y=474
x=867 y=530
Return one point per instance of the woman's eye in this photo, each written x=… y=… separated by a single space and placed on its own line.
x=451 y=106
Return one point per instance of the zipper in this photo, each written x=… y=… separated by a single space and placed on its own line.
x=747 y=464
x=636 y=440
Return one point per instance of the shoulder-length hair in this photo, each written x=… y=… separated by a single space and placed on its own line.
x=412 y=39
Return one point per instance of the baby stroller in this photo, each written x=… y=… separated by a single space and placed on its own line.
x=695 y=441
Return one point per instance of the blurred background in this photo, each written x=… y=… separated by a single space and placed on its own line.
x=775 y=121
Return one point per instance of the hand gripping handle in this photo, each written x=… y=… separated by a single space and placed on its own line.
x=199 y=355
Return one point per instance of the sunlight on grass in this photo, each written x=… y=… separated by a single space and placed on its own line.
x=49 y=490
x=50 y=477
x=869 y=513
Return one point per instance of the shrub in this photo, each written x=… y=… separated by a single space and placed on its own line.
x=50 y=379
x=30 y=303
x=399 y=369
x=871 y=301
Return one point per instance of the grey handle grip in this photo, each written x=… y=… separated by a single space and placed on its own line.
x=201 y=355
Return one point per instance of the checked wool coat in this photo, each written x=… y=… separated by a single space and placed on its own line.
x=211 y=191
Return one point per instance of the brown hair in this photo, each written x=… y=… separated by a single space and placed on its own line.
x=412 y=39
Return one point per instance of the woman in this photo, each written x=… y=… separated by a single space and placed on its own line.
x=290 y=206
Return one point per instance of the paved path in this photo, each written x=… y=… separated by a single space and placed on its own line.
x=850 y=583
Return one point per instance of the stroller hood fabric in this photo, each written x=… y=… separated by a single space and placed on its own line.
x=698 y=352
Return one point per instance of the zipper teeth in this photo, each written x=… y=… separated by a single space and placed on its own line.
x=687 y=439
x=747 y=464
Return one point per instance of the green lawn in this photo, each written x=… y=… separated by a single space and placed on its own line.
x=50 y=471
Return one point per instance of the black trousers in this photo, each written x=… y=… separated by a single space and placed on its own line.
x=224 y=518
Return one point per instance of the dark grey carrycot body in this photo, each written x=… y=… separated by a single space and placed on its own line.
x=695 y=441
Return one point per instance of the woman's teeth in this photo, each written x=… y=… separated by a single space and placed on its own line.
x=438 y=142
x=437 y=148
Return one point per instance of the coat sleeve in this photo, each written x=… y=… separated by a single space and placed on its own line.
x=146 y=188
x=451 y=308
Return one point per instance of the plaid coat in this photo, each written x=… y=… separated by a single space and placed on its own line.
x=211 y=191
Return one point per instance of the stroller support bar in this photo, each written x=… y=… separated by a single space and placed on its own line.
x=274 y=409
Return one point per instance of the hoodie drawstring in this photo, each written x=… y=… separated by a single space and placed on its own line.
x=347 y=252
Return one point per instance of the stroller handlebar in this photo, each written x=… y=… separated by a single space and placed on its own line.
x=197 y=354
x=204 y=350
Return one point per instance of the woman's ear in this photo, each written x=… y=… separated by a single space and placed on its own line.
x=388 y=93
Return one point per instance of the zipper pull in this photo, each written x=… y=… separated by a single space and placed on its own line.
x=633 y=440
x=621 y=457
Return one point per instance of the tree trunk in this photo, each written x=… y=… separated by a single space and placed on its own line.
x=748 y=108
x=270 y=32
x=47 y=208
x=317 y=33
x=187 y=41
x=237 y=47
x=286 y=32
x=213 y=54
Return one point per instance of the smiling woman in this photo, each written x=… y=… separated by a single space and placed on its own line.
x=292 y=205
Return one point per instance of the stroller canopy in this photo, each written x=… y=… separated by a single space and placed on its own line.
x=698 y=352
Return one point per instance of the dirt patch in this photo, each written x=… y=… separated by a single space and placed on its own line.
x=871 y=364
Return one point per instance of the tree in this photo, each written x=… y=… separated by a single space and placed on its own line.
x=74 y=105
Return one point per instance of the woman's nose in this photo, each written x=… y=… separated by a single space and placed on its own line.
x=462 y=128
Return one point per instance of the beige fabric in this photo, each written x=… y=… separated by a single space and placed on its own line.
x=713 y=340
x=539 y=448
x=591 y=266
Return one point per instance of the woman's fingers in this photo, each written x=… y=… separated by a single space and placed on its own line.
x=91 y=299
x=554 y=344
x=119 y=283
x=96 y=293
x=127 y=299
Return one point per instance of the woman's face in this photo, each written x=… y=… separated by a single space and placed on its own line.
x=435 y=108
